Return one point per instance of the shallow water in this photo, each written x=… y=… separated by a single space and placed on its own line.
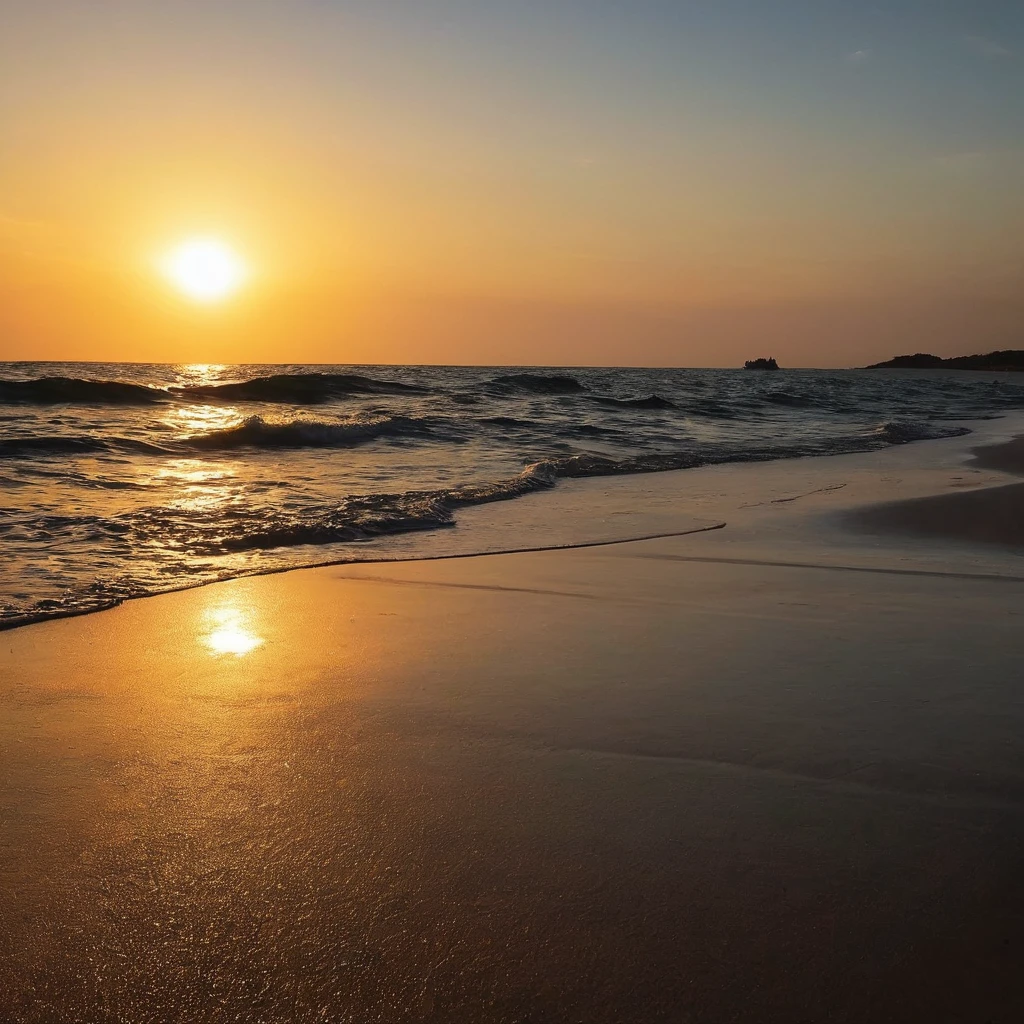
x=118 y=480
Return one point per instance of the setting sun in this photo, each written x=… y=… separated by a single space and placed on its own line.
x=204 y=269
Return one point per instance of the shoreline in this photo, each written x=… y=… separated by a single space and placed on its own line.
x=571 y=502
x=278 y=570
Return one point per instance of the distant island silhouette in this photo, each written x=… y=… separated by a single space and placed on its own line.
x=1006 y=359
x=761 y=364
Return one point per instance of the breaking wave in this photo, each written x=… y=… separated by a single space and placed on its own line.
x=256 y=432
x=905 y=431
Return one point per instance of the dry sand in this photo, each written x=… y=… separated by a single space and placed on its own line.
x=769 y=773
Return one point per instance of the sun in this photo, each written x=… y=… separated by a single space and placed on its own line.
x=204 y=269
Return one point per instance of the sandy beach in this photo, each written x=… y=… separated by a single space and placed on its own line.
x=772 y=771
x=511 y=513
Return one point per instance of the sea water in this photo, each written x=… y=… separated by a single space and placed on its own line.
x=119 y=480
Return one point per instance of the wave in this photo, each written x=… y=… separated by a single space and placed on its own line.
x=535 y=477
x=650 y=402
x=74 y=444
x=787 y=399
x=294 y=388
x=256 y=432
x=365 y=517
x=714 y=410
x=906 y=431
x=298 y=388
x=356 y=519
x=78 y=391
x=540 y=383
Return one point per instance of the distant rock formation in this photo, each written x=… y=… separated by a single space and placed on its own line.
x=761 y=364
x=1007 y=359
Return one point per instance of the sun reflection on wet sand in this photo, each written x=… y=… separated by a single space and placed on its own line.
x=230 y=633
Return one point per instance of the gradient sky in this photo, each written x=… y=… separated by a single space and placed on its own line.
x=515 y=181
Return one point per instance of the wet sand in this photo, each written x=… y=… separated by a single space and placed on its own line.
x=773 y=772
x=1007 y=457
x=992 y=515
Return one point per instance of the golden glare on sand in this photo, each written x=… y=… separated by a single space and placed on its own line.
x=204 y=269
x=230 y=633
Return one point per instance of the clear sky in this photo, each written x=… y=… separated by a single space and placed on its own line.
x=514 y=181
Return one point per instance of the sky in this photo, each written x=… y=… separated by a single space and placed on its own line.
x=563 y=182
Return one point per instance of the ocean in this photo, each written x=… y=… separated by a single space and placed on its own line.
x=121 y=480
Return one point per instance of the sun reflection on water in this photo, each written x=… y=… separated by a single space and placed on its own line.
x=198 y=486
x=230 y=633
x=201 y=419
x=201 y=373
x=193 y=471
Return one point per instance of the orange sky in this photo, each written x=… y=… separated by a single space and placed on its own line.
x=476 y=184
